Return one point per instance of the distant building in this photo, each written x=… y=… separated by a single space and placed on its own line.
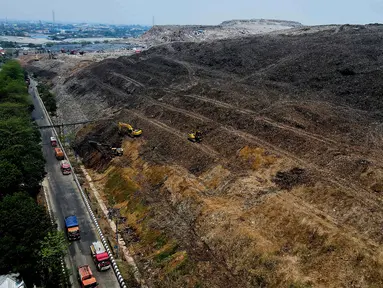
x=11 y=281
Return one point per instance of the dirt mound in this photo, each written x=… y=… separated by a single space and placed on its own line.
x=265 y=105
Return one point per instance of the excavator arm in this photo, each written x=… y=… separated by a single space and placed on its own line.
x=125 y=127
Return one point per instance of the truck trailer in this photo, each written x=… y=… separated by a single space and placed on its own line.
x=71 y=228
x=100 y=256
x=65 y=167
x=86 y=277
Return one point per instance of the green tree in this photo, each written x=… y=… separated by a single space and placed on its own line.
x=19 y=146
x=13 y=70
x=10 y=175
x=23 y=225
x=53 y=248
x=29 y=243
x=48 y=99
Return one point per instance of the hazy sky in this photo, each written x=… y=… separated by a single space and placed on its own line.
x=308 y=12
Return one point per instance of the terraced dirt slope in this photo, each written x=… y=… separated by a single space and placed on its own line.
x=286 y=186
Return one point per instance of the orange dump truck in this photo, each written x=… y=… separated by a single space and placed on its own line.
x=86 y=278
x=59 y=154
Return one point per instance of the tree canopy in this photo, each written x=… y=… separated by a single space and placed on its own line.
x=20 y=153
x=29 y=243
x=23 y=225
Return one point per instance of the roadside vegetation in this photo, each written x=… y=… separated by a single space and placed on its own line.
x=29 y=244
x=48 y=98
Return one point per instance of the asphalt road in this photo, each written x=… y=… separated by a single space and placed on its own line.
x=65 y=199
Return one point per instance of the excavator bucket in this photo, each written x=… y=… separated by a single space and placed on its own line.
x=136 y=132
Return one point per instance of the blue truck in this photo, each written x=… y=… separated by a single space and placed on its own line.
x=71 y=228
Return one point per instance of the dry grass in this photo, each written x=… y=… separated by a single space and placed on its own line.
x=256 y=157
x=156 y=175
x=266 y=236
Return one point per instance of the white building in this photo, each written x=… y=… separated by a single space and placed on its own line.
x=11 y=281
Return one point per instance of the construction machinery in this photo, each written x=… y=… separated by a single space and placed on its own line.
x=114 y=151
x=195 y=136
x=117 y=151
x=125 y=128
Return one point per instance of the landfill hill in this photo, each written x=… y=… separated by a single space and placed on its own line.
x=285 y=189
x=227 y=29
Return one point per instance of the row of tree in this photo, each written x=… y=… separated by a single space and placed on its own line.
x=29 y=243
x=48 y=98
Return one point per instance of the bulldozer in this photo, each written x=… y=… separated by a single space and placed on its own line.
x=195 y=136
x=114 y=151
x=117 y=151
x=124 y=128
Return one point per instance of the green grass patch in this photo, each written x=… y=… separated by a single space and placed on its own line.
x=118 y=188
x=165 y=251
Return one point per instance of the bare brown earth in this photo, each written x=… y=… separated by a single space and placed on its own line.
x=285 y=189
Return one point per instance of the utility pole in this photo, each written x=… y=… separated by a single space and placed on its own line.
x=114 y=214
x=153 y=21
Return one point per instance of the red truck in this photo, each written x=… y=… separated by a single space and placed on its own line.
x=65 y=167
x=53 y=141
x=100 y=256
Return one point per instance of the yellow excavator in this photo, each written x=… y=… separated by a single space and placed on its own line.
x=124 y=128
x=195 y=136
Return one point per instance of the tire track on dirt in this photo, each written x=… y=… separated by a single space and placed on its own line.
x=129 y=79
x=184 y=64
x=328 y=221
x=205 y=148
x=264 y=119
x=345 y=184
x=316 y=137
x=340 y=182
x=182 y=111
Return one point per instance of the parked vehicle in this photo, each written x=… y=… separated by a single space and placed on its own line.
x=100 y=256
